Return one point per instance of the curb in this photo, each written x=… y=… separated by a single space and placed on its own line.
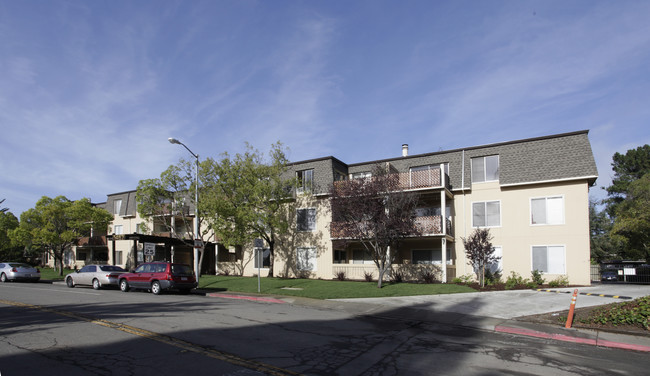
x=566 y=338
x=586 y=294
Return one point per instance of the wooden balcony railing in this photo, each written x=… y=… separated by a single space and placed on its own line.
x=426 y=225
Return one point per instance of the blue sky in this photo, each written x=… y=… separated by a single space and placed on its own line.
x=91 y=90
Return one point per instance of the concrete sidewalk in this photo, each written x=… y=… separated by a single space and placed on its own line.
x=493 y=311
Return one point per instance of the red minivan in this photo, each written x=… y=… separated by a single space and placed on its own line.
x=158 y=277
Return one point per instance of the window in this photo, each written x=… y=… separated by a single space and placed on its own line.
x=338 y=175
x=118 y=229
x=340 y=257
x=306 y=258
x=361 y=256
x=305 y=180
x=361 y=175
x=428 y=256
x=486 y=214
x=547 y=211
x=117 y=205
x=118 y=257
x=81 y=256
x=263 y=255
x=549 y=259
x=498 y=265
x=306 y=219
x=485 y=169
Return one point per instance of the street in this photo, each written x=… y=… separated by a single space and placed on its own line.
x=55 y=330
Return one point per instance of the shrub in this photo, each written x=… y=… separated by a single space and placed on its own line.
x=515 y=280
x=428 y=276
x=635 y=313
x=492 y=279
x=562 y=281
x=367 y=276
x=397 y=276
x=463 y=279
x=340 y=276
x=537 y=277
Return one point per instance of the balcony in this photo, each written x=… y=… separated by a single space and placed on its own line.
x=427 y=225
x=420 y=179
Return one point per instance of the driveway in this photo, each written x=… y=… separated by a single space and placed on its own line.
x=514 y=303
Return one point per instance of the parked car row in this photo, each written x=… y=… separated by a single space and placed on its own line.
x=154 y=276
x=18 y=271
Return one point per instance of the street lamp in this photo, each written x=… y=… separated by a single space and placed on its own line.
x=196 y=208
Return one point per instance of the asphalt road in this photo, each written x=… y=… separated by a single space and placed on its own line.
x=53 y=330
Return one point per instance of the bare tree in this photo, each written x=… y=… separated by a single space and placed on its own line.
x=375 y=212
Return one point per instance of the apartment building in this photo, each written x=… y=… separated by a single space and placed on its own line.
x=531 y=194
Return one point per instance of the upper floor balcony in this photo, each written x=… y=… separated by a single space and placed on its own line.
x=426 y=226
x=422 y=178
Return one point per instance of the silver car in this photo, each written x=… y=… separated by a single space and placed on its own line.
x=18 y=271
x=97 y=276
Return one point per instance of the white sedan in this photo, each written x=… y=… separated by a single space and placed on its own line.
x=18 y=271
x=97 y=276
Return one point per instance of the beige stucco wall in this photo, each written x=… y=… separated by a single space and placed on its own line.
x=517 y=236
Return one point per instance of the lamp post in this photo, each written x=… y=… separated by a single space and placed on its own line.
x=196 y=208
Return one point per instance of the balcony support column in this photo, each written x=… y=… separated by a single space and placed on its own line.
x=443 y=243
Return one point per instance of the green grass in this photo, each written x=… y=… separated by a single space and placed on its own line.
x=52 y=275
x=322 y=289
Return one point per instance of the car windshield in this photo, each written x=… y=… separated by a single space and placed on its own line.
x=111 y=268
x=17 y=265
x=181 y=270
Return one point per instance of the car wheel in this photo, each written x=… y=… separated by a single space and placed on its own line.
x=69 y=282
x=3 y=277
x=155 y=287
x=96 y=284
x=124 y=285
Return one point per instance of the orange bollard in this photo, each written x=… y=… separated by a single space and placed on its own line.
x=569 y=319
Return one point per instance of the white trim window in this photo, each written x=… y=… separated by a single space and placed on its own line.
x=361 y=175
x=549 y=259
x=306 y=258
x=547 y=211
x=498 y=265
x=486 y=214
x=485 y=169
x=305 y=180
x=361 y=256
x=306 y=219
x=117 y=206
x=118 y=229
x=426 y=256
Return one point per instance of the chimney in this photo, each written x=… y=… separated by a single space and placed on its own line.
x=405 y=150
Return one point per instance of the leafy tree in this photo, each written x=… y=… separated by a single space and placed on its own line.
x=602 y=245
x=167 y=200
x=8 y=249
x=56 y=224
x=628 y=168
x=632 y=222
x=248 y=197
x=375 y=212
x=480 y=252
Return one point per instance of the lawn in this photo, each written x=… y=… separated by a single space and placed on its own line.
x=322 y=289
x=49 y=274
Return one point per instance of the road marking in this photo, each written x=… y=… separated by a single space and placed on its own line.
x=185 y=345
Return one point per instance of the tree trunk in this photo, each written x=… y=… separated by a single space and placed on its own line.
x=271 y=253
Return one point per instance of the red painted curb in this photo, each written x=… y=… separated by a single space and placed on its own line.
x=245 y=297
x=565 y=338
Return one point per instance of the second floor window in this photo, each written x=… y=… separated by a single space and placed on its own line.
x=547 y=211
x=117 y=205
x=306 y=220
x=361 y=175
x=118 y=229
x=485 y=169
x=486 y=214
x=305 y=180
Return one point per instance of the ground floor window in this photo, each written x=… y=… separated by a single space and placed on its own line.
x=81 y=256
x=498 y=265
x=340 y=257
x=262 y=258
x=306 y=258
x=549 y=259
x=118 y=257
x=426 y=256
x=361 y=256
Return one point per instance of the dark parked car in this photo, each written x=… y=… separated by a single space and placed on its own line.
x=18 y=271
x=158 y=277
x=609 y=276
